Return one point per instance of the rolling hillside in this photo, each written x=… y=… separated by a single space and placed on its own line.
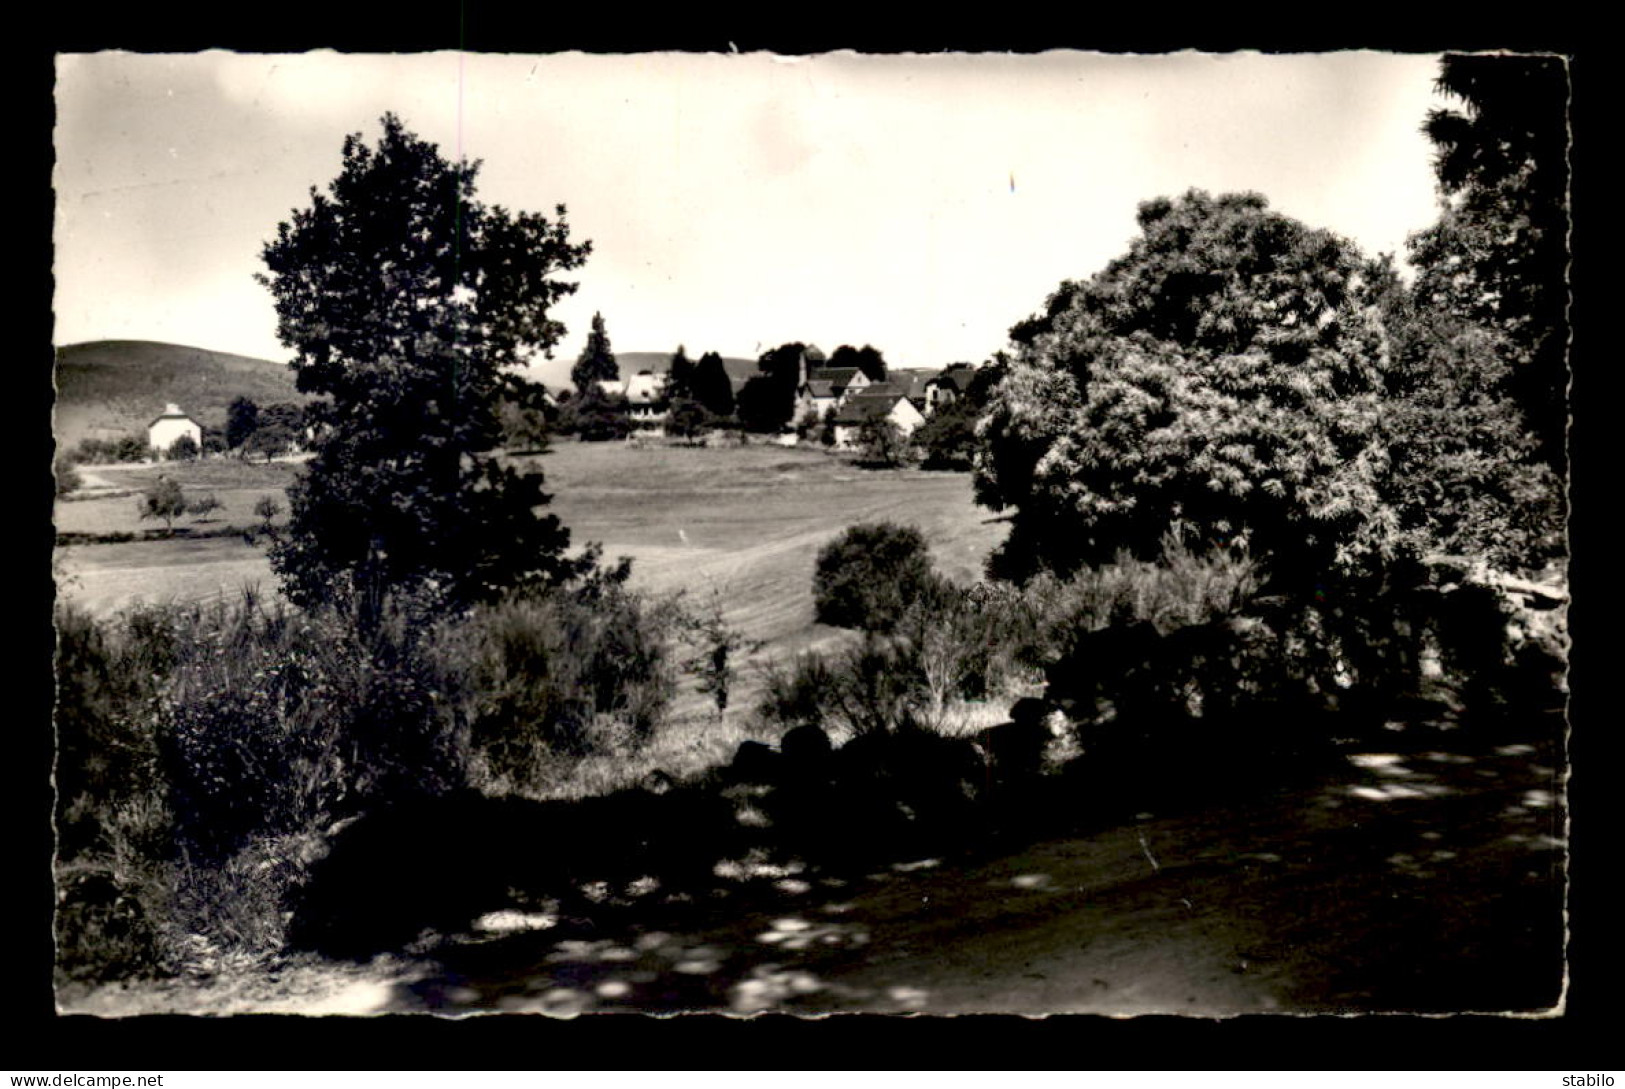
x=120 y=385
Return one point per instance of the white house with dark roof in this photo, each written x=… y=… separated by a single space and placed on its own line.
x=167 y=429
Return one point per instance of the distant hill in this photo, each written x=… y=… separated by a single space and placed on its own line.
x=120 y=385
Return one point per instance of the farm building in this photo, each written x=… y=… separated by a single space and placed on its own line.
x=880 y=400
x=167 y=429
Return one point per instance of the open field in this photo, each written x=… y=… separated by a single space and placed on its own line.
x=108 y=503
x=743 y=522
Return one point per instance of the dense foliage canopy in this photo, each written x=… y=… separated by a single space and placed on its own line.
x=1221 y=379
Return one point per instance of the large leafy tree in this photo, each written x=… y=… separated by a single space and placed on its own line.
x=1498 y=255
x=1221 y=380
x=411 y=307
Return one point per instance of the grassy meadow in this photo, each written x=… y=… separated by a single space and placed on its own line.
x=744 y=523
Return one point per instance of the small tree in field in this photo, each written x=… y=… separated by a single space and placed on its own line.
x=267 y=508
x=868 y=577
x=411 y=307
x=163 y=500
x=882 y=442
x=716 y=647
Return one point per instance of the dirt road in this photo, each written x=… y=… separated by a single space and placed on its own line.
x=1424 y=879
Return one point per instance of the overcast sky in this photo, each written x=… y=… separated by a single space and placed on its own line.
x=734 y=202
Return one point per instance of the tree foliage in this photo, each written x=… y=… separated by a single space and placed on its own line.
x=164 y=500
x=882 y=443
x=712 y=387
x=680 y=375
x=525 y=419
x=184 y=448
x=687 y=419
x=595 y=416
x=764 y=406
x=410 y=306
x=866 y=359
x=1465 y=473
x=596 y=362
x=278 y=428
x=947 y=439
x=1220 y=379
x=242 y=418
x=767 y=403
x=1498 y=255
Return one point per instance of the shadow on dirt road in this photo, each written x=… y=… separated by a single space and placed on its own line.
x=1425 y=877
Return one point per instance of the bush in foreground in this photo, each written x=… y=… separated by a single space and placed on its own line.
x=869 y=576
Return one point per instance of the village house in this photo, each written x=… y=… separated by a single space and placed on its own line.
x=881 y=400
x=166 y=430
x=824 y=388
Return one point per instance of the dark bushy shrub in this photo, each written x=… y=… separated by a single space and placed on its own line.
x=127 y=448
x=563 y=675
x=869 y=576
x=947 y=439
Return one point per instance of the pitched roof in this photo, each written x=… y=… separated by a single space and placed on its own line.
x=911 y=383
x=820 y=387
x=172 y=412
x=875 y=400
x=838 y=377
